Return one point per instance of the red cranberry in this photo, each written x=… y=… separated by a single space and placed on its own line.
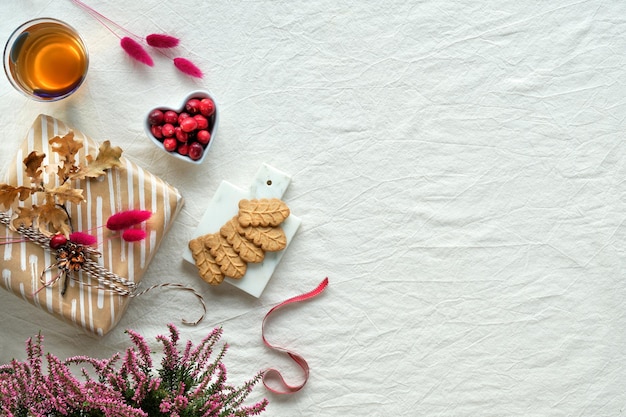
x=167 y=130
x=181 y=136
x=203 y=136
x=155 y=117
x=170 y=117
x=183 y=149
x=157 y=131
x=195 y=151
x=170 y=144
x=57 y=241
x=189 y=124
x=182 y=117
x=203 y=123
x=193 y=106
x=207 y=107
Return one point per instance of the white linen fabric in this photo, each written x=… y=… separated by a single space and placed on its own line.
x=458 y=167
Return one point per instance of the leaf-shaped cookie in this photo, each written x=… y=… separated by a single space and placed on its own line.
x=262 y=212
x=229 y=261
x=208 y=268
x=247 y=250
x=267 y=238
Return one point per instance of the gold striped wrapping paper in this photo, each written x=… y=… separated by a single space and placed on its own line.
x=95 y=310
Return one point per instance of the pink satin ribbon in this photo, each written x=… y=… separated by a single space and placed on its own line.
x=269 y=373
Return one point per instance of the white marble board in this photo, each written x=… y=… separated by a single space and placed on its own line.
x=269 y=182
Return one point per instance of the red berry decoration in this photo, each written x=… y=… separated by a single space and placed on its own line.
x=57 y=241
x=187 y=131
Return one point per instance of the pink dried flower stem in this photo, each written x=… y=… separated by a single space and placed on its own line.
x=133 y=235
x=6 y=241
x=157 y=40
x=129 y=45
x=187 y=67
x=105 y=21
x=136 y=51
x=161 y=40
x=83 y=238
x=128 y=218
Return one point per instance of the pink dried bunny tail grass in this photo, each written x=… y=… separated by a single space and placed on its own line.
x=133 y=48
x=160 y=40
x=126 y=219
x=133 y=235
x=136 y=51
x=187 y=67
x=83 y=238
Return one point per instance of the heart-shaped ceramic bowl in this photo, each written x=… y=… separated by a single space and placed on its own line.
x=155 y=128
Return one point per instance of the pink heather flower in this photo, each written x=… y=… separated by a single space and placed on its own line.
x=171 y=359
x=192 y=385
x=187 y=351
x=144 y=349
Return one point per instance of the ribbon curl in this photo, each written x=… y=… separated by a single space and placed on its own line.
x=271 y=372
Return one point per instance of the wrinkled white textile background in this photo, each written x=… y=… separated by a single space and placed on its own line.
x=459 y=168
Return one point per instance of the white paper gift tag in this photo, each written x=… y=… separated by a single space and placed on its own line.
x=268 y=183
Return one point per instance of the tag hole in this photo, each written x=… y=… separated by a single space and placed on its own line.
x=269 y=182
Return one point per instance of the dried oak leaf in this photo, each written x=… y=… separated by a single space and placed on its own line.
x=24 y=216
x=65 y=192
x=33 y=166
x=52 y=219
x=66 y=147
x=10 y=193
x=262 y=212
x=108 y=157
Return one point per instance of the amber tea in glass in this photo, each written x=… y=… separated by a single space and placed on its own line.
x=46 y=59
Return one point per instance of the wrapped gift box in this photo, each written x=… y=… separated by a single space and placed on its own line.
x=85 y=303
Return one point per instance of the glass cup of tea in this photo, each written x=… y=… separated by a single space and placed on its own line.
x=46 y=59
